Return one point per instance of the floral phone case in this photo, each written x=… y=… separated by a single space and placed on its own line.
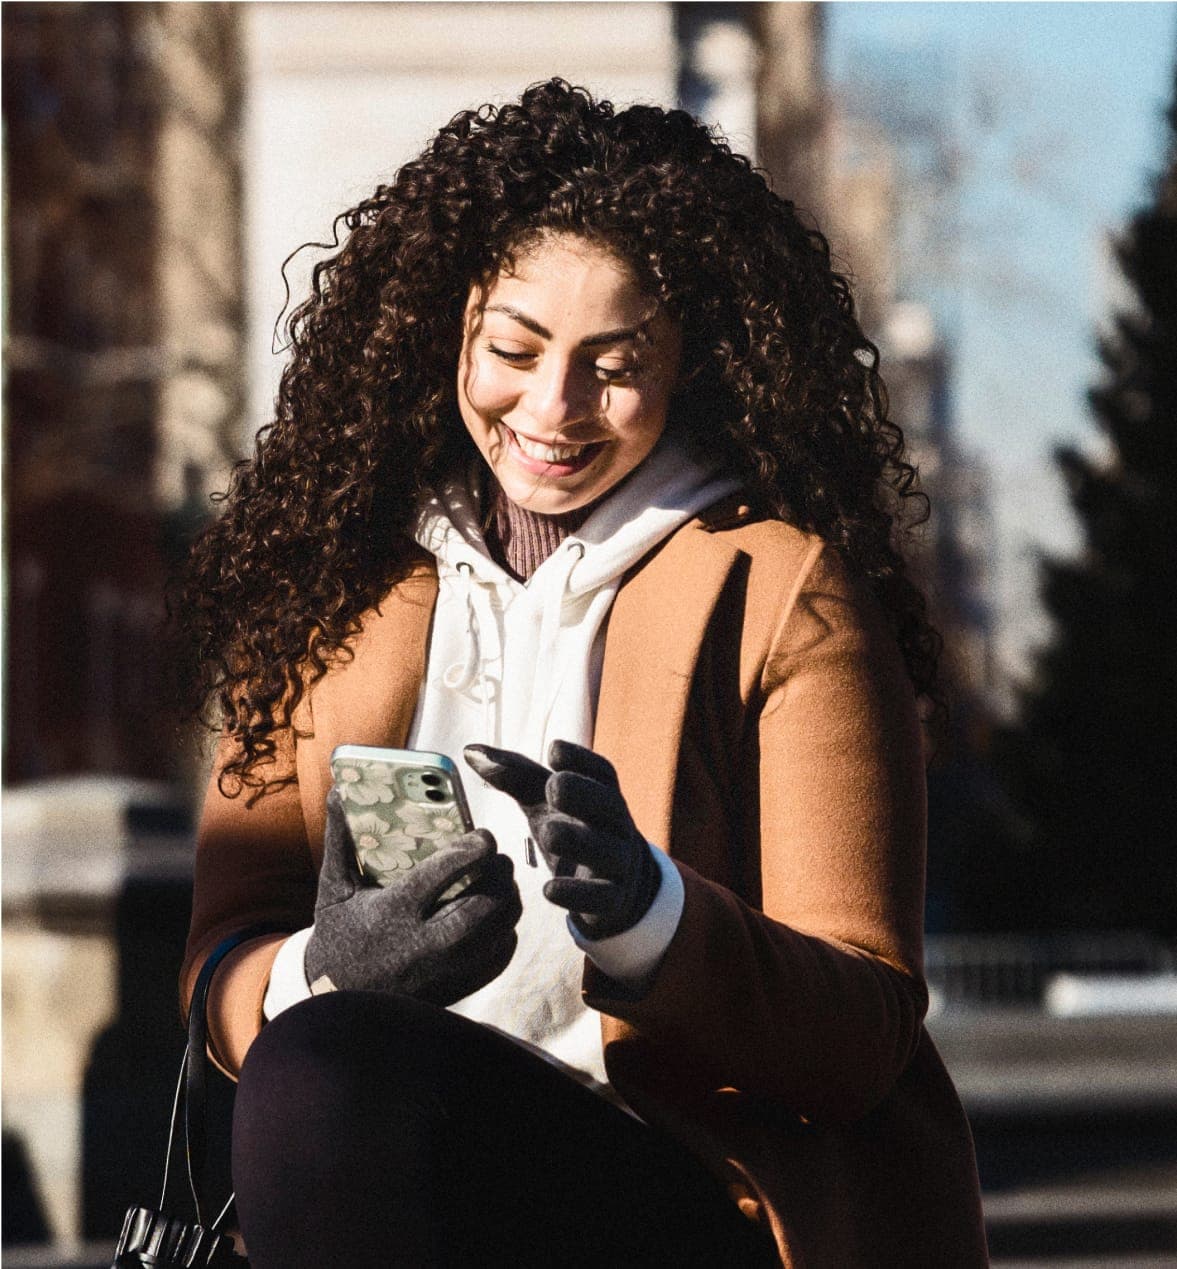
x=401 y=805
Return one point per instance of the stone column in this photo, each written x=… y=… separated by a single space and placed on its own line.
x=790 y=102
x=197 y=181
x=718 y=60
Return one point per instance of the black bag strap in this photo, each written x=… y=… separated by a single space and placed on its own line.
x=194 y=1073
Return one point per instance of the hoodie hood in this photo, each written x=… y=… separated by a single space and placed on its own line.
x=663 y=493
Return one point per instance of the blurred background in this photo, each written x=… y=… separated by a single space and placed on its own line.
x=999 y=182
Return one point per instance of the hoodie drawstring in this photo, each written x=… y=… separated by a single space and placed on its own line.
x=556 y=591
x=482 y=645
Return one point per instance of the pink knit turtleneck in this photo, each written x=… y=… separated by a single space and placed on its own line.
x=520 y=540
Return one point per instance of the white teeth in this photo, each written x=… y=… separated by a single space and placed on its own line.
x=546 y=453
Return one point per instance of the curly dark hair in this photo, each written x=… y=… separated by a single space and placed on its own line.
x=783 y=384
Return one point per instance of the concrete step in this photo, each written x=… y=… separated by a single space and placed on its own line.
x=1125 y=1216
x=91 y=1255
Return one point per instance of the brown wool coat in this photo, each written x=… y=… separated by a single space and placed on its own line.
x=763 y=728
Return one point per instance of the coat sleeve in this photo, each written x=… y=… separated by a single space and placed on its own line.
x=253 y=865
x=813 y=997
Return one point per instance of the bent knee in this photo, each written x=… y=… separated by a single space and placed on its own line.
x=346 y=1044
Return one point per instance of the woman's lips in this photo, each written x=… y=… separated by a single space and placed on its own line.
x=539 y=459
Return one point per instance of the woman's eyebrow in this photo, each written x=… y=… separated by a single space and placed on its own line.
x=592 y=341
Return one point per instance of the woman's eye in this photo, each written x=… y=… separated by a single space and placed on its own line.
x=522 y=357
x=509 y=355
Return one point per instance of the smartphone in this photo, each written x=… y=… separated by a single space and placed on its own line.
x=401 y=805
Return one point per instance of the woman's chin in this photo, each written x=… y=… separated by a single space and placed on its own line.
x=548 y=499
x=554 y=491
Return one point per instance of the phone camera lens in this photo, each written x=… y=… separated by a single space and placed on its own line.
x=431 y=778
x=435 y=795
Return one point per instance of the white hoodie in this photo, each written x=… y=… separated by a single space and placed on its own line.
x=517 y=665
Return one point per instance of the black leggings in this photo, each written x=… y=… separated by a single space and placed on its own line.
x=374 y=1130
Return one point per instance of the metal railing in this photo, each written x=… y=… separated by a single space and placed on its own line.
x=1015 y=969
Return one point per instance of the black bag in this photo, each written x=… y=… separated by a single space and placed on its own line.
x=150 y=1237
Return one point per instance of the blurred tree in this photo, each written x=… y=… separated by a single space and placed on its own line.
x=1093 y=761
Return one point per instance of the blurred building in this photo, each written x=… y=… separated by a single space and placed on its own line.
x=881 y=180
x=123 y=340
x=957 y=554
x=123 y=398
x=892 y=196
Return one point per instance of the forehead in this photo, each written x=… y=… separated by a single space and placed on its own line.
x=568 y=279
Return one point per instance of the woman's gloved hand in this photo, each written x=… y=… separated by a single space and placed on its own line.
x=400 y=938
x=605 y=871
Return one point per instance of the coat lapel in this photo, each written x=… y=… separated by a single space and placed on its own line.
x=369 y=700
x=656 y=630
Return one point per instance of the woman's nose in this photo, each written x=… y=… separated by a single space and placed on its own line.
x=560 y=395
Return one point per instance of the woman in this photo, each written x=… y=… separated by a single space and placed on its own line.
x=581 y=469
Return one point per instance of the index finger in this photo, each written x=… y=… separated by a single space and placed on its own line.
x=509 y=772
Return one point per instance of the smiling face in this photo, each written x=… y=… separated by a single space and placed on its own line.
x=565 y=374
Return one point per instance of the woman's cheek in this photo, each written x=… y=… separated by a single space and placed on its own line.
x=489 y=390
x=644 y=415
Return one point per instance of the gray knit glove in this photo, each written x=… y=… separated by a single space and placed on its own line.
x=399 y=938
x=605 y=872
